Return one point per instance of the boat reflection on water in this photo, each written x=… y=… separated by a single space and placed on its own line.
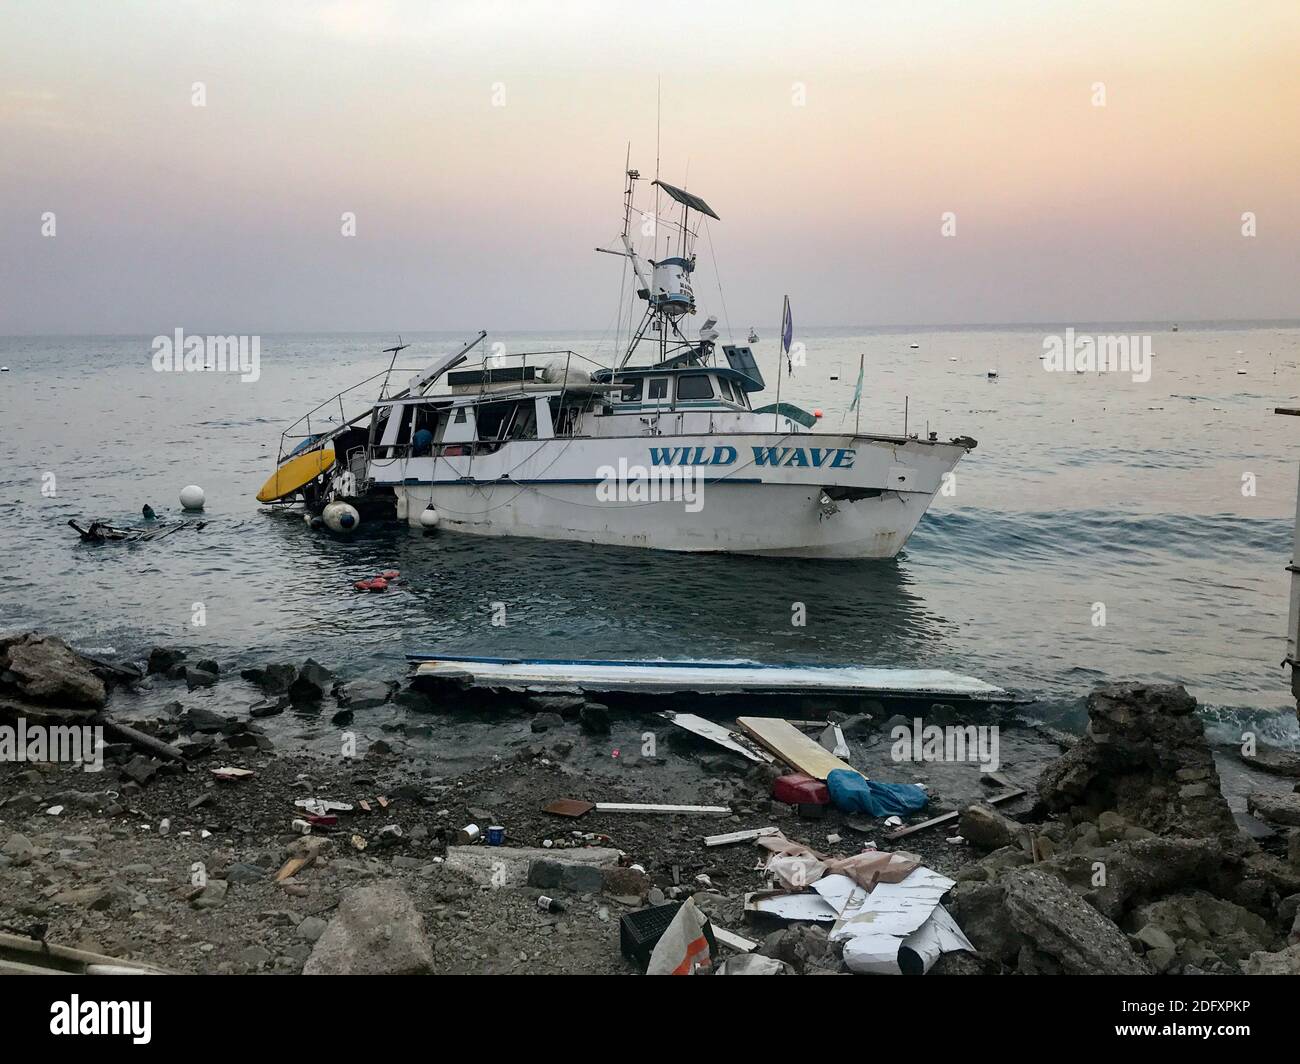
x=530 y=598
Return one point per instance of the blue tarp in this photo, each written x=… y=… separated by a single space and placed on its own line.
x=850 y=793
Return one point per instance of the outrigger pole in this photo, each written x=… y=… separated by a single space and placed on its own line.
x=781 y=349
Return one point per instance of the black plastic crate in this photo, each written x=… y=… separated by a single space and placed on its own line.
x=640 y=931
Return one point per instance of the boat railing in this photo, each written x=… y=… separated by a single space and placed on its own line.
x=301 y=430
x=498 y=359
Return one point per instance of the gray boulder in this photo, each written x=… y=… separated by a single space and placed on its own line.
x=1205 y=931
x=1276 y=808
x=364 y=694
x=274 y=680
x=311 y=684
x=1284 y=962
x=1124 y=874
x=162 y=659
x=987 y=829
x=19 y=849
x=594 y=718
x=45 y=669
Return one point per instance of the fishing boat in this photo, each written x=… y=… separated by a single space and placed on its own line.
x=669 y=446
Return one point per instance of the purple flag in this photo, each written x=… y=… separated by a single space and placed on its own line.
x=787 y=334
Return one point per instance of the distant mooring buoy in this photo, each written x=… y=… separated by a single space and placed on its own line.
x=429 y=518
x=192 y=497
x=340 y=517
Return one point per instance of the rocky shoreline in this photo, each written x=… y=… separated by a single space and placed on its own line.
x=1123 y=856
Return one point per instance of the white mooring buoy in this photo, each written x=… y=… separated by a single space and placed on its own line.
x=340 y=517
x=429 y=518
x=192 y=497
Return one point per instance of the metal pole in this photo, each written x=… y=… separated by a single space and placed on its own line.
x=857 y=410
x=780 y=350
x=1293 y=617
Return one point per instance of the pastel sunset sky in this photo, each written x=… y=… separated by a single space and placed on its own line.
x=480 y=147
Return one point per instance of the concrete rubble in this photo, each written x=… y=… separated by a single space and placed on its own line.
x=1141 y=866
x=1123 y=857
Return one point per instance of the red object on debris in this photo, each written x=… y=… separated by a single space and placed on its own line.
x=798 y=788
x=328 y=821
x=379 y=584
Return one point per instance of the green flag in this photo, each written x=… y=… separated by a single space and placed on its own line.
x=857 y=390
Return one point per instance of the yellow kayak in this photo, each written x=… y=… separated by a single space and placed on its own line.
x=295 y=473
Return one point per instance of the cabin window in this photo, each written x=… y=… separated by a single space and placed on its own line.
x=460 y=415
x=658 y=388
x=694 y=386
x=493 y=420
x=741 y=400
x=631 y=392
x=725 y=388
x=524 y=425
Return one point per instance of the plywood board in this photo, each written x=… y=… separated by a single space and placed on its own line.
x=716 y=733
x=792 y=746
x=568 y=807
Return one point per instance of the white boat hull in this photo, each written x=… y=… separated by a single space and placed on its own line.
x=706 y=677
x=547 y=489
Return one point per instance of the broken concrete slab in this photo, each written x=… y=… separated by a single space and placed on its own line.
x=1061 y=933
x=376 y=931
x=508 y=866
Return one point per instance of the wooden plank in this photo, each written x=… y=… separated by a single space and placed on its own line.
x=951 y=816
x=54 y=959
x=793 y=747
x=739 y=836
x=636 y=807
x=733 y=941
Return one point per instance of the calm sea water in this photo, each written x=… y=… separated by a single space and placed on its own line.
x=1084 y=489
